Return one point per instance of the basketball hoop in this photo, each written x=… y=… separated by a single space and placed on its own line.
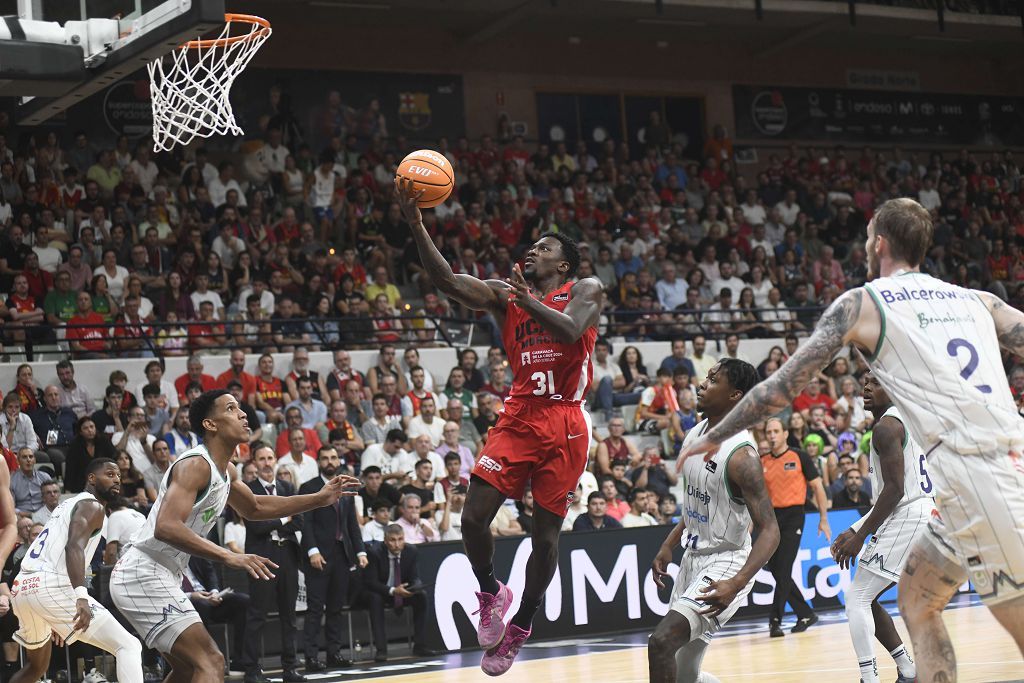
x=191 y=94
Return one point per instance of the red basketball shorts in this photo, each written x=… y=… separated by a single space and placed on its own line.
x=544 y=444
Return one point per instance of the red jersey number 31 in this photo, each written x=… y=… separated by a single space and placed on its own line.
x=545 y=384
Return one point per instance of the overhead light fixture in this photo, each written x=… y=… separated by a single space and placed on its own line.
x=344 y=4
x=672 y=22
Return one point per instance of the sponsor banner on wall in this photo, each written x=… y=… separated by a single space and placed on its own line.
x=604 y=582
x=883 y=79
x=875 y=116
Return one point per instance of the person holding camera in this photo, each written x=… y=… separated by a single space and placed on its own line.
x=651 y=473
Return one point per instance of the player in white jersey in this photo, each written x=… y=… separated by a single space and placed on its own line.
x=724 y=494
x=146 y=582
x=50 y=596
x=8 y=528
x=935 y=347
x=903 y=507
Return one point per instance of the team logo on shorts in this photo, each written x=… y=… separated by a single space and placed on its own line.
x=488 y=464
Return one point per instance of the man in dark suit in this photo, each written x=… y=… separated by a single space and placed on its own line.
x=201 y=583
x=333 y=545
x=276 y=541
x=392 y=580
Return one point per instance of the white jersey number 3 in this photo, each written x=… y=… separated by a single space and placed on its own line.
x=545 y=384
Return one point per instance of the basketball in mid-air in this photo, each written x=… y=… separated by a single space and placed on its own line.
x=430 y=172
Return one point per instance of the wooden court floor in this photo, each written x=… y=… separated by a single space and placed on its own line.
x=824 y=654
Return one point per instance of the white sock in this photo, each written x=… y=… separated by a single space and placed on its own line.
x=903 y=662
x=869 y=671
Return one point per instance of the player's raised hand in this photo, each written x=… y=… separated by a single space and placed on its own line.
x=258 y=567
x=339 y=486
x=823 y=527
x=83 y=615
x=407 y=197
x=718 y=595
x=659 y=568
x=520 y=288
x=699 y=447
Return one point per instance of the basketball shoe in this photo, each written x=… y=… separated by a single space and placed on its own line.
x=499 y=659
x=492 y=611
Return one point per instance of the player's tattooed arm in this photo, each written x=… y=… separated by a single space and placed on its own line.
x=746 y=473
x=1009 y=323
x=581 y=313
x=833 y=331
x=472 y=292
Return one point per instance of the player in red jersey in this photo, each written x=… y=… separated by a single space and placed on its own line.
x=542 y=437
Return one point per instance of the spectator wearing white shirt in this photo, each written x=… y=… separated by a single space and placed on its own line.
x=49 y=257
x=204 y=294
x=637 y=515
x=16 y=431
x=788 y=208
x=427 y=422
x=304 y=463
x=51 y=498
x=273 y=154
x=423 y=450
x=144 y=169
x=227 y=246
x=775 y=315
x=389 y=456
x=225 y=180
x=928 y=196
x=671 y=289
x=752 y=210
x=122 y=523
x=726 y=278
x=449 y=517
x=722 y=314
x=607 y=380
x=380 y=518
x=136 y=439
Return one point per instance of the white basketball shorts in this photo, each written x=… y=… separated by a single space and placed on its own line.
x=980 y=520
x=149 y=596
x=44 y=602
x=886 y=551
x=697 y=572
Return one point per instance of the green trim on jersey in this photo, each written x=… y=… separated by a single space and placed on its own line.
x=725 y=474
x=881 y=336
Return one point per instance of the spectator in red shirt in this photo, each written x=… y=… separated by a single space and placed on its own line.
x=507 y=228
x=26 y=316
x=92 y=340
x=517 y=152
x=812 y=396
x=207 y=333
x=712 y=175
x=349 y=266
x=237 y=372
x=39 y=281
x=194 y=373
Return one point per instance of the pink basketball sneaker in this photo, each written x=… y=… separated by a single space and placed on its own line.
x=499 y=659
x=493 y=609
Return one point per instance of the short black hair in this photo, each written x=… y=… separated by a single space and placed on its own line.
x=65 y=363
x=593 y=495
x=451 y=456
x=633 y=493
x=423 y=461
x=601 y=341
x=200 y=410
x=742 y=375
x=372 y=469
x=570 y=251
x=151 y=390
x=113 y=389
x=97 y=465
x=395 y=435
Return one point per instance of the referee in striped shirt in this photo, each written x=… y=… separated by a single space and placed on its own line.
x=787 y=474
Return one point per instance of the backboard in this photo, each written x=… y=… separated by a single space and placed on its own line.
x=55 y=54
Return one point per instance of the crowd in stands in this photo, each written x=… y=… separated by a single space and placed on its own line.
x=284 y=248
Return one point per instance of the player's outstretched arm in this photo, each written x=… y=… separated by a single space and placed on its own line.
x=887 y=437
x=1009 y=322
x=746 y=474
x=581 y=313
x=8 y=517
x=842 y=323
x=472 y=292
x=257 y=508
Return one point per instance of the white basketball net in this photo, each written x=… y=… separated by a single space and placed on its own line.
x=191 y=94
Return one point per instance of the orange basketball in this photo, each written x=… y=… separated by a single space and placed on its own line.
x=430 y=172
